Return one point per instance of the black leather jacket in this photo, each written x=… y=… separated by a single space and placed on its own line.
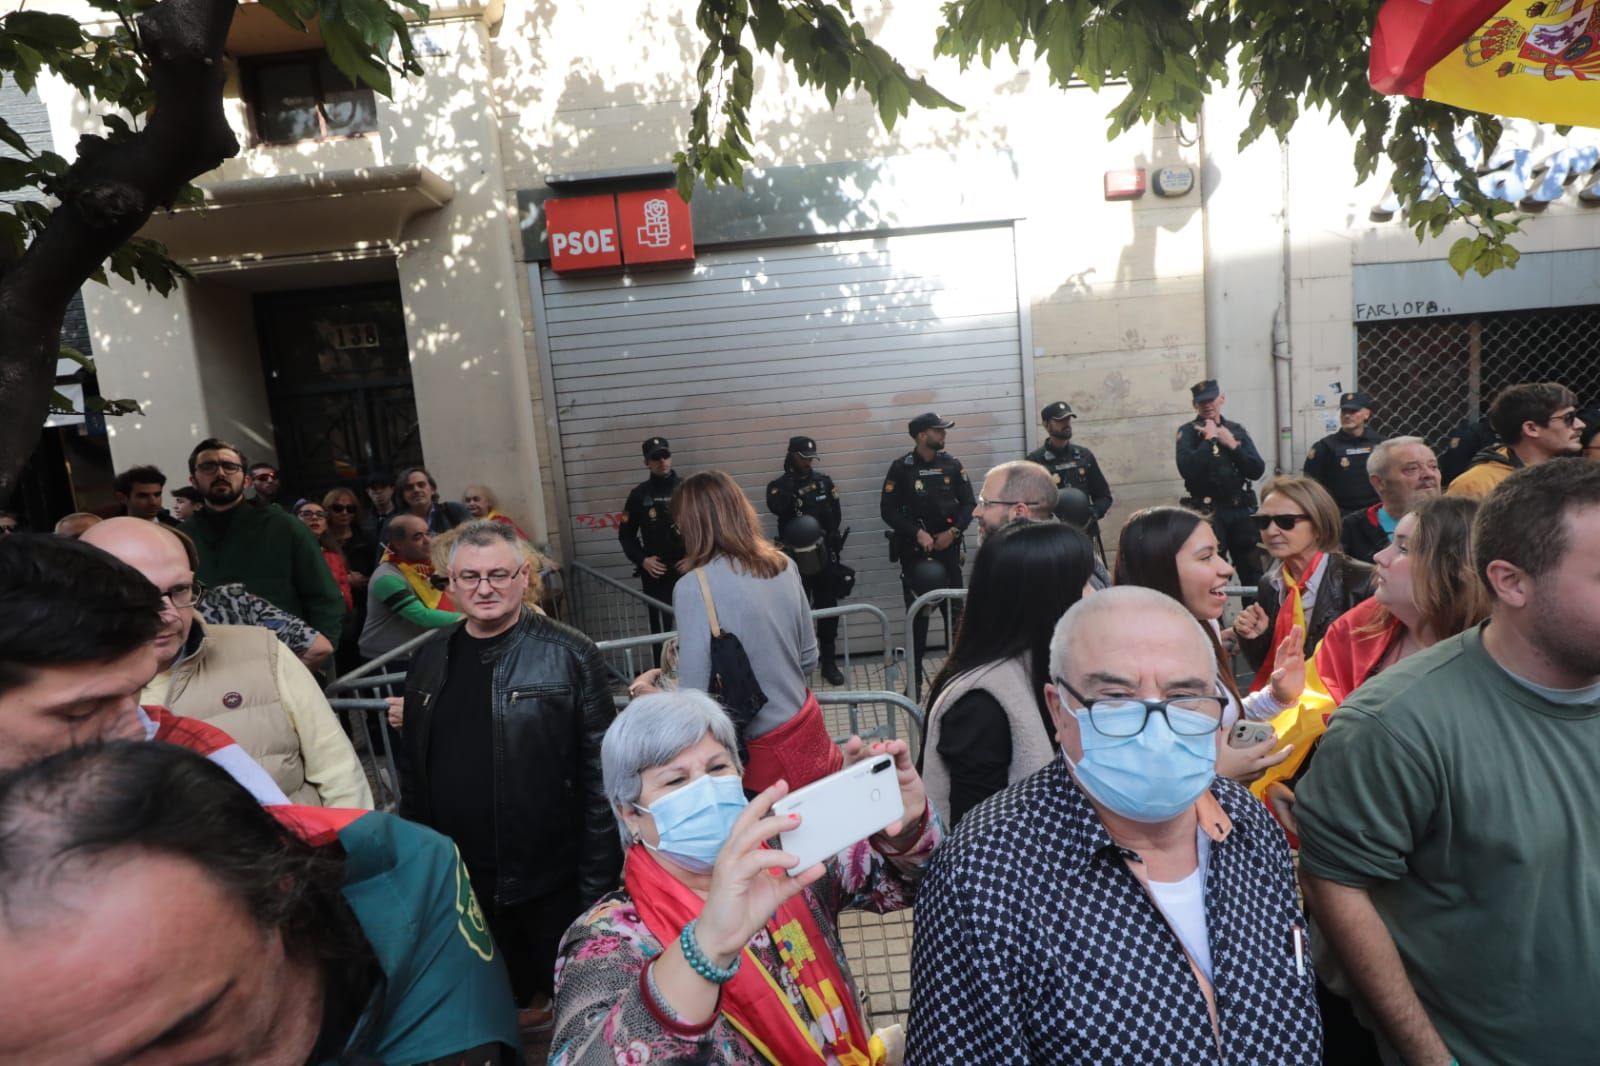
x=552 y=705
x=1346 y=584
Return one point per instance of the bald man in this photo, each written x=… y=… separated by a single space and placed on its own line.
x=239 y=678
x=73 y=525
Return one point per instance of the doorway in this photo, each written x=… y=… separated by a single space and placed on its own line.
x=339 y=385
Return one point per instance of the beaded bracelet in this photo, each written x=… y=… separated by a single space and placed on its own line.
x=697 y=959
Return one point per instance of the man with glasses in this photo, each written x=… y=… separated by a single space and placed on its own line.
x=1537 y=422
x=1123 y=905
x=266 y=549
x=240 y=679
x=503 y=719
x=266 y=482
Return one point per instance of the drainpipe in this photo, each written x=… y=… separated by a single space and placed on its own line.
x=1283 y=407
x=1282 y=365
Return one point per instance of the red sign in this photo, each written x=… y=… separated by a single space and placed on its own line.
x=583 y=233
x=655 y=227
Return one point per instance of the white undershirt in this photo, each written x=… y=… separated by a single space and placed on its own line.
x=1183 y=903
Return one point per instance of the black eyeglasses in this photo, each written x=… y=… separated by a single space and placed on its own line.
x=181 y=596
x=1126 y=716
x=212 y=466
x=1284 y=522
x=313 y=514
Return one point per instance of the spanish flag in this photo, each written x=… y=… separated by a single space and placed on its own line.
x=1535 y=59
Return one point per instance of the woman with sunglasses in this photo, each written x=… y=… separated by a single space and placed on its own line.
x=315 y=518
x=1311 y=581
x=360 y=552
x=1175 y=551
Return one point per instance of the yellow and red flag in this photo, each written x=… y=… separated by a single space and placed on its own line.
x=1536 y=59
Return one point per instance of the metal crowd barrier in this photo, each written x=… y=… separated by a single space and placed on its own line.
x=619 y=654
x=881 y=720
x=918 y=605
x=603 y=607
x=890 y=662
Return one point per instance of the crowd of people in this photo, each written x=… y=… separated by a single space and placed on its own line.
x=1347 y=821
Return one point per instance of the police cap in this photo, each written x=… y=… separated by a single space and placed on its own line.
x=926 y=420
x=1355 y=401
x=1056 y=411
x=655 y=447
x=1205 y=391
x=804 y=447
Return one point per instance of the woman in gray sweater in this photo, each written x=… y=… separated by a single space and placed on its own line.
x=758 y=598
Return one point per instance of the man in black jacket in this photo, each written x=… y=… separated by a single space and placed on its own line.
x=1218 y=462
x=805 y=492
x=503 y=719
x=1338 y=462
x=648 y=536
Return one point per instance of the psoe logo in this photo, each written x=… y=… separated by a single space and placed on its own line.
x=657 y=229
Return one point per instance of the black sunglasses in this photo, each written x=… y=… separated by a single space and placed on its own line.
x=1284 y=522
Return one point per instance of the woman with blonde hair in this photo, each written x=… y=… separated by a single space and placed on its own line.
x=734 y=574
x=1311 y=581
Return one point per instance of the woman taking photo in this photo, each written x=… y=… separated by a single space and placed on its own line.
x=708 y=953
x=1311 y=581
x=756 y=594
x=1175 y=551
x=1425 y=590
x=988 y=726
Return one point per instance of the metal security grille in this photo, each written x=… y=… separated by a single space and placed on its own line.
x=842 y=341
x=1427 y=375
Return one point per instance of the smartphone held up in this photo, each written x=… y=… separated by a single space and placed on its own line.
x=841 y=809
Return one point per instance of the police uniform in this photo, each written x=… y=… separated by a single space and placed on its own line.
x=1218 y=480
x=647 y=529
x=1073 y=467
x=812 y=493
x=1338 y=462
x=931 y=495
x=1462 y=446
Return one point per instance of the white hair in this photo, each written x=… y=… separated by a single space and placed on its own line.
x=484 y=533
x=1126 y=599
x=650 y=732
x=1378 y=461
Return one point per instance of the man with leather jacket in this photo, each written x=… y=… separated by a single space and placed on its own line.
x=804 y=492
x=504 y=715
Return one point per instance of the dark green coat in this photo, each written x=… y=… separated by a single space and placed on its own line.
x=273 y=555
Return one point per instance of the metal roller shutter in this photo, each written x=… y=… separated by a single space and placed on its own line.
x=843 y=341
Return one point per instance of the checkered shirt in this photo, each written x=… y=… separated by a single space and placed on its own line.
x=1035 y=943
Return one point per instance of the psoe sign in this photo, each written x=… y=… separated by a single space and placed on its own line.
x=610 y=230
x=583 y=233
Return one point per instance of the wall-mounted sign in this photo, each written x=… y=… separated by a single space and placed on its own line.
x=655 y=227
x=583 y=233
x=1125 y=184
x=610 y=230
x=348 y=335
x=1173 y=181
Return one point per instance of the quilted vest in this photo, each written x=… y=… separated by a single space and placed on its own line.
x=231 y=682
x=1010 y=682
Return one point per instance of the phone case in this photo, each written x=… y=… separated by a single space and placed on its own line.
x=841 y=809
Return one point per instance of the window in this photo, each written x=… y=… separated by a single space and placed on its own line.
x=305 y=98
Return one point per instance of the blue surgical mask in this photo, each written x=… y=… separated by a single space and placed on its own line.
x=1150 y=777
x=694 y=821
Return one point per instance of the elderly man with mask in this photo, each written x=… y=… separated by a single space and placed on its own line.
x=1403 y=472
x=1124 y=905
x=503 y=719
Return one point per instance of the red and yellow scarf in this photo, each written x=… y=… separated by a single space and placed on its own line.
x=1291 y=613
x=419 y=578
x=754 y=1002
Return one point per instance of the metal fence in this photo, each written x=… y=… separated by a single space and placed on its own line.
x=1428 y=375
x=603 y=607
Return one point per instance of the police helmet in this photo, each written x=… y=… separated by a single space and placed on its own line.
x=926 y=575
x=1073 y=508
x=802 y=531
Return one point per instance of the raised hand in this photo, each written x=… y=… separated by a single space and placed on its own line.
x=1289 y=675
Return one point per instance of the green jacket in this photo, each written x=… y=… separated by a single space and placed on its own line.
x=274 y=556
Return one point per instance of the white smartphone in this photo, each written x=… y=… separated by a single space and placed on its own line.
x=841 y=809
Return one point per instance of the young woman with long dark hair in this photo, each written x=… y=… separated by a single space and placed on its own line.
x=1174 y=550
x=988 y=726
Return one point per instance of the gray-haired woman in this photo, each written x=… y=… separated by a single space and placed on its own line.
x=708 y=953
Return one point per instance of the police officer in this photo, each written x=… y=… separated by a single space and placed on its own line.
x=927 y=504
x=1218 y=461
x=649 y=538
x=802 y=492
x=1339 y=461
x=1072 y=465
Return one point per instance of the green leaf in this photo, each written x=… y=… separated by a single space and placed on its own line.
x=77 y=357
x=1462 y=255
x=43 y=30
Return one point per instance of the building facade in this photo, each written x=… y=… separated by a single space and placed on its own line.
x=374 y=282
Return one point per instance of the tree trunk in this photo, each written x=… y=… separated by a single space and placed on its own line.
x=116 y=186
